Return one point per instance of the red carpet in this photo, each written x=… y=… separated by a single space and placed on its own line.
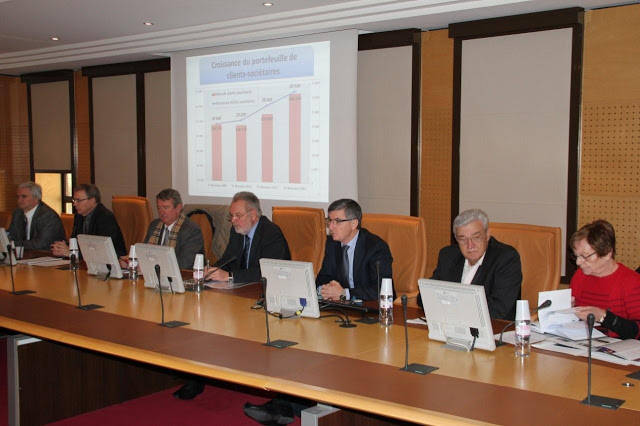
x=215 y=406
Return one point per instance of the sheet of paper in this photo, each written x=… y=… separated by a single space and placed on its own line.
x=560 y=300
x=52 y=263
x=419 y=321
x=510 y=337
x=39 y=260
x=628 y=349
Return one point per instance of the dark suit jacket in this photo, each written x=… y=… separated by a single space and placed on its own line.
x=369 y=249
x=500 y=274
x=268 y=242
x=102 y=223
x=190 y=242
x=46 y=228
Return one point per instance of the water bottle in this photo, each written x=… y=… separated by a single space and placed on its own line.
x=386 y=302
x=198 y=273
x=132 y=266
x=73 y=250
x=523 y=328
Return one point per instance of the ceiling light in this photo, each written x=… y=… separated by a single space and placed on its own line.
x=148 y=24
x=55 y=38
x=267 y=4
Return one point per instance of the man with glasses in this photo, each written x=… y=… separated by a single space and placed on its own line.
x=91 y=218
x=352 y=256
x=252 y=237
x=34 y=225
x=480 y=259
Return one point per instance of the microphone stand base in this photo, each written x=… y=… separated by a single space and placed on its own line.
x=21 y=292
x=367 y=320
x=90 y=307
x=419 y=368
x=603 y=402
x=280 y=344
x=173 y=324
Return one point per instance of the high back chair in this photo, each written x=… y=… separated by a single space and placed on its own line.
x=305 y=232
x=204 y=220
x=133 y=215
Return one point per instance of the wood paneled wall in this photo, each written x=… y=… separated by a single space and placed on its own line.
x=435 y=164
x=14 y=139
x=609 y=175
x=82 y=131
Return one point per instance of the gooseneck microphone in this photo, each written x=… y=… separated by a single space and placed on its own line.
x=12 y=256
x=595 y=400
x=544 y=305
x=223 y=265
x=411 y=368
x=89 y=307
x=280 y=344
x=169 y=324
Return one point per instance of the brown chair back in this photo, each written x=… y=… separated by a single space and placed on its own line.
x=203 y=219
x=305 y=232
x=540 y=253
x=407 y=239
x=5 y=220
x=67 y=224
x=133 y=215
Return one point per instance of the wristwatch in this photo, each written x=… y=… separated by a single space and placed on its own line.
x=343 y=295
x=602 y=318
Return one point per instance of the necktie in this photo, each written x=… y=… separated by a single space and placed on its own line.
x=85 y=226
x=244 y=260
x=345 y=267
x=26 y=228
x=162 y=234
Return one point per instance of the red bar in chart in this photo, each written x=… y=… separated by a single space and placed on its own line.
x=216 y=152
x=267 y=147
x=241 y=153
x=295 y=137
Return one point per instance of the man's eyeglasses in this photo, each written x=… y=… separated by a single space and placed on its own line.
x=77 y=200
x=475 y=239
x=581 y=257
x=236 y=216
x=334 y=222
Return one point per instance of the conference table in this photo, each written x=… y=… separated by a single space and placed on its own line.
x=352 y=368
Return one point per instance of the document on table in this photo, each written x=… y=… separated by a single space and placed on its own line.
x=510 y=337
x=225 y=285
x=627 y=349
x=48 y=262
x=419 y=321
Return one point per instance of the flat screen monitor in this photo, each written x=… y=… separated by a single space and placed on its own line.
x=150 y=255
x=4 y=242
x=100 y=256
x=452 y=310
x=291 y=287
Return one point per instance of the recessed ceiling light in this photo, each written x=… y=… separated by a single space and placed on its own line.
x=148 y=24
x=55 y=38
x=267 y=4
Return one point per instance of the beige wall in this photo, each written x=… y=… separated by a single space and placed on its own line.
x=50 y=124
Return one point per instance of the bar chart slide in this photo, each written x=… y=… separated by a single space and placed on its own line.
x=264 y=136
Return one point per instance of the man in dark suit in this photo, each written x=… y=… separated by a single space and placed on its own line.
x=34 y=225
x=349 y=269
x=480 y=259
x=174 y=229
x=91 y=218
x=252 y=237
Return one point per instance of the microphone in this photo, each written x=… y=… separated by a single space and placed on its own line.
x=12 y=258
x=89 y=307
x=280 y=344
x=544 y=305
x=595 y=400
x=169 y=324
x=221 y=266
x=413 y=367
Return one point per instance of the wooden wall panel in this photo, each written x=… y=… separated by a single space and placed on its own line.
x=14 y=140
x=609 y=176
x=83 y=143
x=435 y=164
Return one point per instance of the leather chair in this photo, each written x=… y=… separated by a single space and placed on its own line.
x=204 y=220
x=5 y=220
x=305 y=232
x=540 y=254
x=67 y=224
x=133 y=215
x=407 y=239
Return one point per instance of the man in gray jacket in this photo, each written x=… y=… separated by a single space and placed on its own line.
x=34 y=225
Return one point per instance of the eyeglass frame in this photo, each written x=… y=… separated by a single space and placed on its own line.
x=584 y=258
x=328 y=221
x=237 y=216
x=476 y=240
x=74 y=200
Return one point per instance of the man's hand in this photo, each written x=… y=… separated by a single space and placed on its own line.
x=331 y=291
x=583 y=311
x=60 y=249
x=124 y=261
x=216 y=275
